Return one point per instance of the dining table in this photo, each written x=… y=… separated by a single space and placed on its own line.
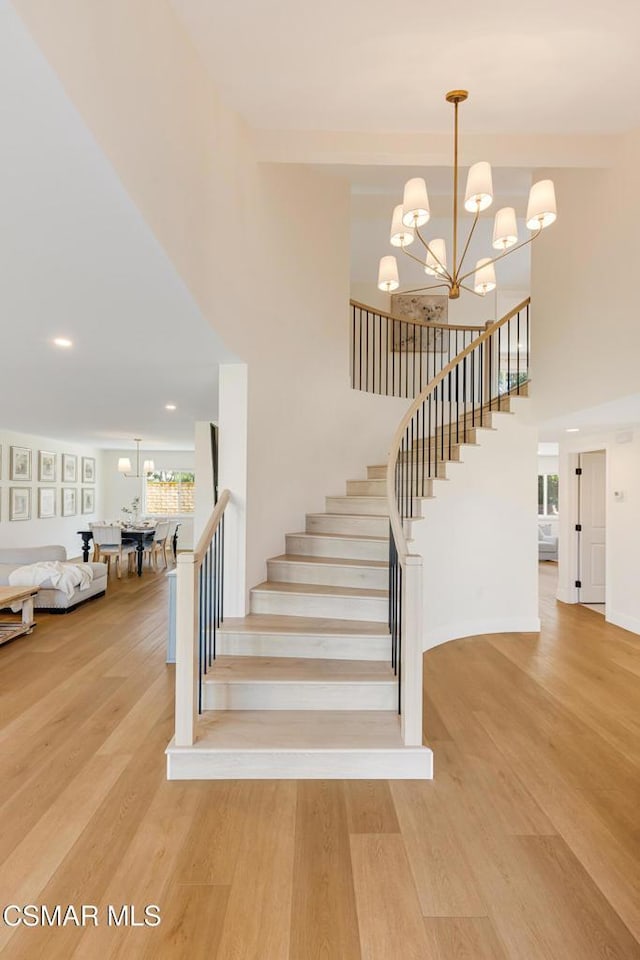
x=140 y=535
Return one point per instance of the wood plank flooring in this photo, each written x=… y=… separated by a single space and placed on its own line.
x=526 y=846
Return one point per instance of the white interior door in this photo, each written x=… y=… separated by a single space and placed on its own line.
x=593 y=523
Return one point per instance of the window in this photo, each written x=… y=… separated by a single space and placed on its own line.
x=548 y=494
x=169 y=493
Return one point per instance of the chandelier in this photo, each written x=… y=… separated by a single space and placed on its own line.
x=124 y=464
x=414 y=213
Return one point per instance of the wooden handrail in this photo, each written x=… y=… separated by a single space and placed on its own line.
x=419 y=323
x=394 y=514
x=207 y=534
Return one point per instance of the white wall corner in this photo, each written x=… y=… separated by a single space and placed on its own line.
x=233 y=476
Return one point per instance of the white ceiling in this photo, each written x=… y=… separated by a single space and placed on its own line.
x=77 y=260
x=554 y=67
x=620 y=414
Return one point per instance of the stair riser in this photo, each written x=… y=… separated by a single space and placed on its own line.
x=367 y=526
x=360 y=506
x=329 y=547
x=306 y=605
x=377 y=472
x=327 y=574
x=367 y=488
x=306 y=646
x=403 y=764
x=274 y=695
x=428 y=485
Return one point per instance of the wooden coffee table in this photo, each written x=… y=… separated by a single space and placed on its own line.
x=9 y=629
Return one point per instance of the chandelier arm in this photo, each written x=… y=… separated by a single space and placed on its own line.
x=504 y=254
x=432 y=286
x=412 y=256
x=424 y=243
x=457 y=267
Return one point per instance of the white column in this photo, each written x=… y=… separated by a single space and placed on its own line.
x=412 y=651
x=186 y=654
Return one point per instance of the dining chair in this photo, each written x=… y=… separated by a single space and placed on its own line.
x=107 y=539
x=157 y=546
x=168 y=543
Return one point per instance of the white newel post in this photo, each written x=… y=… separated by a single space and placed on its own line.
x=186 y=655
x=412 y=651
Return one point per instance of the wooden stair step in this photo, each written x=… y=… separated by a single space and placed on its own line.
x=295 y=599
x=297 y=670
x=330 y=571
x=304 y=744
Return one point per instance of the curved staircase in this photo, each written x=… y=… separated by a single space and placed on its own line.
x=304 y=687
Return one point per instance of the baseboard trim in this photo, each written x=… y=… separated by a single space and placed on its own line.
x=475 y=628
x=623 y=620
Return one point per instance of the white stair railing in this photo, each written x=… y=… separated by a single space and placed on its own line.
x=199 y=612
x=459 y=398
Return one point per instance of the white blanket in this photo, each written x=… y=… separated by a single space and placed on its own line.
x=52 y=573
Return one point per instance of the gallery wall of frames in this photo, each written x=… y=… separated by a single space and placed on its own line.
x=49 y=489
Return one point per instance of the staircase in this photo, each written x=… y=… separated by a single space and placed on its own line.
x=304 y=687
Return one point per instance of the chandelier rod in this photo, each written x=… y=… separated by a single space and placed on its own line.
x=505 y=253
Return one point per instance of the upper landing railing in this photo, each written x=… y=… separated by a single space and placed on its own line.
x=397 y=357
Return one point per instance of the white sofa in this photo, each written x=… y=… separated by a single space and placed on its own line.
x=547 y=543
x=48 y=597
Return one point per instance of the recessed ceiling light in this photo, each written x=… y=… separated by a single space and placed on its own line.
x=62 y=342
x=573 y=429
x=170 y=406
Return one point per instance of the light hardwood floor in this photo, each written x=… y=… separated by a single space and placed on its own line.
x=526 y=846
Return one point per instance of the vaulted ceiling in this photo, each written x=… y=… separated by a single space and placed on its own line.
x=77 y=260
x=371 y=65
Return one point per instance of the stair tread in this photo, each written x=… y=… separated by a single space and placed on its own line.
x=351 y=516
x=329 y=561
x=274 y=624
x=339 y=536
x=236 y=669
x=317 y=589
x=232 y=730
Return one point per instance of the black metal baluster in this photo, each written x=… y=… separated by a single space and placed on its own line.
x=518 y=351
x=353 y=347
x=379 y=354
x=393 y=358
x=399 y=640
x=508 y=356
x=464 y=398
x=490 y=342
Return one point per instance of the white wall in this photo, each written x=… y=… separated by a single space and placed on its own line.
x=585 y=333
x=478 y=539
x=622 y=597
x=119 y=491
x=58 y=529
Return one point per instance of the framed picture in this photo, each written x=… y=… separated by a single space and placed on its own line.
x=19 y=503
x=46 y=466
x=46 y=502
x=69 y=468
x=69 y=501
x=20 y=464
x=88 y=500
x=88 y=470
x=418 y=306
